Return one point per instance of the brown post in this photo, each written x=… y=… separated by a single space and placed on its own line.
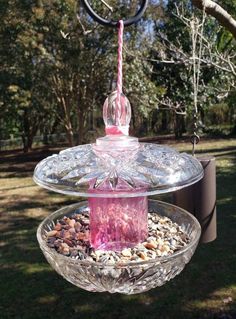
x=200 y=199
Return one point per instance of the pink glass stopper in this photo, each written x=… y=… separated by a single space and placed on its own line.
x=117 y=114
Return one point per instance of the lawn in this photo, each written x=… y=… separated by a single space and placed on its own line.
x=30 y=289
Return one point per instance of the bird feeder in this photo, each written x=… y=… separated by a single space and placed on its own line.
x=117 y=173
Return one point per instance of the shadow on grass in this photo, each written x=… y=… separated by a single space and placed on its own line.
x=30 y=289
x=18 y=207
x=20 y=165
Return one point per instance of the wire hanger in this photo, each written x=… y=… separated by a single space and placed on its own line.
x=112 y=23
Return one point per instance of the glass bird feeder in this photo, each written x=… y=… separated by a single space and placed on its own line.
x=117 y=174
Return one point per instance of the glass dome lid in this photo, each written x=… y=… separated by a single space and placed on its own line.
x=117 y=165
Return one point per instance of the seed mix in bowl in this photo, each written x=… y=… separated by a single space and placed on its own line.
x=70 y=237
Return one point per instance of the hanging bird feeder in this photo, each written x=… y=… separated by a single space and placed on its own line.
x=118 y=240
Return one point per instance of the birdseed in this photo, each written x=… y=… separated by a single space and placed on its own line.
x=70 y=237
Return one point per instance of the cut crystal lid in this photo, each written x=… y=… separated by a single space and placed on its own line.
x=117 y=165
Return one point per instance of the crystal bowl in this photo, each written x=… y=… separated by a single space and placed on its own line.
x=129 y=277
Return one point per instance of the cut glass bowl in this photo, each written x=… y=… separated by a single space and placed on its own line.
x=125 y=278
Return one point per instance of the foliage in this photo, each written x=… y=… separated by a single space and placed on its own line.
x=172 y=54
x=58 y=66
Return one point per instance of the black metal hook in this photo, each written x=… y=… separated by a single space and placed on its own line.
x=112 y=23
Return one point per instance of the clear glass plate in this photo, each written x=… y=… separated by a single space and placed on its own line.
x=121 y=168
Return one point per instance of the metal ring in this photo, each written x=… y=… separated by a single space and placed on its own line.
x=112 y=23
x=195 y=139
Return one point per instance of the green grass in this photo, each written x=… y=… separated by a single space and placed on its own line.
x=30 y=289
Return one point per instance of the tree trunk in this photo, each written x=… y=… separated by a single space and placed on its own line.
x=70 y=135
x=133 y=121
x=234 y=130
x=179 y=125
x=202 y=114
x=216 y=11
x=24 y=141
x=81 y=128
x=164 y=121
x=30 y=142
x=29 y=131
x=27 y=143
x=45 y=137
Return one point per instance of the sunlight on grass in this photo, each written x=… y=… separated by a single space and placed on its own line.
x=34 y=213
x=14 y=182
x=224 y=200
x=225 y=163
x=2 y=244
x=146 y=300
x=33 y=268
x=86 y=308
x=213 y=147
x=219 y=299
x=47 y=299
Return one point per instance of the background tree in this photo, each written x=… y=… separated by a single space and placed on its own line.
x=58 y=66
x=184 y=41
x=215 y=10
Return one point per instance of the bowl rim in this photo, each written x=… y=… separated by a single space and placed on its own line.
x=128 y=264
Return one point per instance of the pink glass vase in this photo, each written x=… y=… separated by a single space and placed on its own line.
x=117 y=223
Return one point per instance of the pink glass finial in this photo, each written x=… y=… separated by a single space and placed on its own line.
x=117 y=114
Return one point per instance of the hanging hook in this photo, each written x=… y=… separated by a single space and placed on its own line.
x=112 y=23
x=194 y=139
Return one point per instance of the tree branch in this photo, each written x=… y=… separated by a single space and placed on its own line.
x=107 y=5
x=167 y=104
x=216 y=11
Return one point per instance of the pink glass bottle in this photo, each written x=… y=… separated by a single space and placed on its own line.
x=117 y=221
